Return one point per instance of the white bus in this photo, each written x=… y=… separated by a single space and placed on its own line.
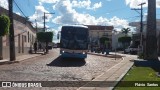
x=74 y=41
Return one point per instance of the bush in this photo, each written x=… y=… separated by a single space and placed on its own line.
x=125 y=39
x=45 y=36
x=103 y=40
x=140 y=55
x=4 y=25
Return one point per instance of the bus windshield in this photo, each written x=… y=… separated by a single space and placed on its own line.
x=74 y=38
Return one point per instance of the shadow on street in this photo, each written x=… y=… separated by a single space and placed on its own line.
x=67 y=62
x=155 y=65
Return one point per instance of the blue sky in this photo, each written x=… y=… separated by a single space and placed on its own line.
x=117 y=13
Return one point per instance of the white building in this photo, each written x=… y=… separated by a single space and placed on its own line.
x=137 y=25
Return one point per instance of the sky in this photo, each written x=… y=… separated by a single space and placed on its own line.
x=115 y=13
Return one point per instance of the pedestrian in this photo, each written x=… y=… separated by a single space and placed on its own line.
x=35 y=47
x=92 y=48
x=39 y=46
x=103 y=49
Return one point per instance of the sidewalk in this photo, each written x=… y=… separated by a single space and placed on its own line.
x=20 y=58
x=115 y=74
x=110 y=55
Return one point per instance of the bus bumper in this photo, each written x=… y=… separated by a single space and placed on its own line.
x=73 y=55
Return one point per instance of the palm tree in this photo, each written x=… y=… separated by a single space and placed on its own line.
x=126 y=31
x=151 y=40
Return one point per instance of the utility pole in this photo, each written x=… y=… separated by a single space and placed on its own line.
x=45 y=21
x=11 y=31
x=36 y=30
x=36 y=25
x=141 y=28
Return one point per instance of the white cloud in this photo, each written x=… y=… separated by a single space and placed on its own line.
x=135 y=3
x=4 y=4
x=97 y=5
x=158 y=3
x=118 y=23
x=68 y=15
x=86 y=4
x=18 y=13
x=39 y=15
x=81 y=4
x=48 y=1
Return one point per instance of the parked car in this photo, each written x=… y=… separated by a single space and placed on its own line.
x=131 y=50
x=49 y=47
x=55 y=46
x=127 y=50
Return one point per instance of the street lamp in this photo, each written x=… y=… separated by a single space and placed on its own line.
x=45 y=18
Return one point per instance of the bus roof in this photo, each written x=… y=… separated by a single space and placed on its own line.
x=82 y=26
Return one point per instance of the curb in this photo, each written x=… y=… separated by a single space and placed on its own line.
x=121 y=77
x=109 y=55
x=28 y=58
x=3 y=62
x=93 y=88
x=6 y=61
x=110 y=88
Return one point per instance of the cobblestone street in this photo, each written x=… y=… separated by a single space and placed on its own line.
x=51 y=67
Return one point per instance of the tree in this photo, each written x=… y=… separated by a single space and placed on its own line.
x=103 y=40
x=124 y=40
x=4 y=29
x=4 y=25
x=45 y=37
x=151 y=40
x=126 y=31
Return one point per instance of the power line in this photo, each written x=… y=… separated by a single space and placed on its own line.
x=111 y=11
x=30 y=4
x=118 y=9
x=132 y=17
x=19 y=9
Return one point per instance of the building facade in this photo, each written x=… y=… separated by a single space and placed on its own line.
x=24 y=34
x=137 y=35
x=97 y=31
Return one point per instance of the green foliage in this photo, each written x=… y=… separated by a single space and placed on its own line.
x=140 y=56
x=140 y=73
x=4 y=25
x=104 y=40
x=125 y=39
x=45 y=36
x=125 y=31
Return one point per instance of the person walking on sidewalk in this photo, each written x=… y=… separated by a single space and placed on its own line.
x=35 y=47
x=39 y=46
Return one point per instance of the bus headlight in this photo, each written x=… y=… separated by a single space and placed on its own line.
x=84 y=53
x=62 y=51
